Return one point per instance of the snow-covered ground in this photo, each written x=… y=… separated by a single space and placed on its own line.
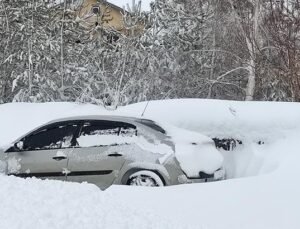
x=263 y=194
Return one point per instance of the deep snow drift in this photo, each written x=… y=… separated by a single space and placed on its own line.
x=258 y=125
x=264 y=121
x=267 y=198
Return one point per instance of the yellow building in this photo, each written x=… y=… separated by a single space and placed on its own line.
x=106 y=15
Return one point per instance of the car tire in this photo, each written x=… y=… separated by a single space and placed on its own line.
x=145 y=178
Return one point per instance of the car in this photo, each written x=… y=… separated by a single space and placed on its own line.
x=106 y=150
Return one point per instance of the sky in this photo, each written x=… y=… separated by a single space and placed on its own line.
x=122 y=3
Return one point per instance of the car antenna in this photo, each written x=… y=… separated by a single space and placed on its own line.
x=145 y=108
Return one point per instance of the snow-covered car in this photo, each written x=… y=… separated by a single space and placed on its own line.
x=107 y=150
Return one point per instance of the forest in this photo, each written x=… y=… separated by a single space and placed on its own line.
x=213 y=49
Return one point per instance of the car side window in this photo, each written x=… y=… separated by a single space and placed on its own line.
x=55 y=136
x=105 y=133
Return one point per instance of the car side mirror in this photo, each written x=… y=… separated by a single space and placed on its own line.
x=19 y=145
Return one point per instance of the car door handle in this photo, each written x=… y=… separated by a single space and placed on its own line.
x=115 y=155
x=59 y=158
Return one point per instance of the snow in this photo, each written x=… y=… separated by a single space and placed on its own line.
x=193 y=159
x=250 y=122
x=194 y=152
x=3 y=167
x=60 y=153
x=265 y=121
x=97 y=140
x=13 y=165
x=124 y=143
x=262 y=194
x=32 y=203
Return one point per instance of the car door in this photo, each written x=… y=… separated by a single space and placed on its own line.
x=43 y=153
x=99 y=154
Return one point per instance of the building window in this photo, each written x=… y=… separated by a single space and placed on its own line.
x=96 y=9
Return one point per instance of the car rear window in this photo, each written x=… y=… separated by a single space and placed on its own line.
x=152 y=125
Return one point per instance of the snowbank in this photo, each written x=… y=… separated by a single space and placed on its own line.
x=195 y=152
x=251 y=122
x=255 y=121
x=33 y=203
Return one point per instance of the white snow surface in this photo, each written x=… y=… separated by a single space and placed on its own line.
x=264 y=193
x=124 y=143
x=195 y=152
x=96 y=140
x=216 y=118
x=33 y=203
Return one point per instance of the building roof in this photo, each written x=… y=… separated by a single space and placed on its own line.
x=118 y=4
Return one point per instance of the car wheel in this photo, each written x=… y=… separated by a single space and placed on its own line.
x=145 y=178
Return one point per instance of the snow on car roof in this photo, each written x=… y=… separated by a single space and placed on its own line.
x=96 y=117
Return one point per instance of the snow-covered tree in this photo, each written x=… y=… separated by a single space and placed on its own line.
x=224 y=49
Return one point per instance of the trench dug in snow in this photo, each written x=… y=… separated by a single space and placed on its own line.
x=249 y=159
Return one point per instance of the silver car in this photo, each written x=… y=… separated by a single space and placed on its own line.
x=102 y=150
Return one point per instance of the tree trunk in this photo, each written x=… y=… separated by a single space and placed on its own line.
x=250 y=89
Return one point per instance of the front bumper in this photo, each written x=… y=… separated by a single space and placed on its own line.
x=220 y=174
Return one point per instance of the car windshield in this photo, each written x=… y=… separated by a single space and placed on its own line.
x=152 y=125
